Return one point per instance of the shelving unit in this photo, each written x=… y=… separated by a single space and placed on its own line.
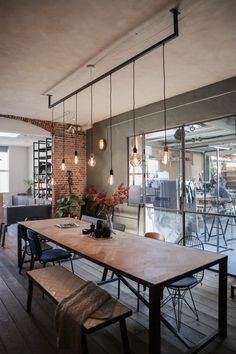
x=42 y=165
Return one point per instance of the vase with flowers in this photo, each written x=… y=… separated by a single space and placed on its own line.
x=107 y=203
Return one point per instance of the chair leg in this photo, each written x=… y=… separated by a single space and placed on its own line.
x=72 y=267
x=22 y=261
x=124 y=336
x=104 y=275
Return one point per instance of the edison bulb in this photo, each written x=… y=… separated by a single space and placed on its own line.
x=111 y=178
x=63 y=165
x=135 y=158
x=91 y=161
x=76 y=160
x=165 y=155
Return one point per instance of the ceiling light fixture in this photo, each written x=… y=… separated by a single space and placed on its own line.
x=165 y=149
x=63 y=165
x=102 y=144
x=135 y=158
x=76 y=160
x=8 y=135
x=111 y=176
x=91 y=161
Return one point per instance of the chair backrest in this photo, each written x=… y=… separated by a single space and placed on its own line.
x=34 y=243
x=155 y=235
x=118 y=226
x=90 y=219
x=193 y=242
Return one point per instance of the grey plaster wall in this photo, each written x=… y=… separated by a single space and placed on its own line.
x=209 y=102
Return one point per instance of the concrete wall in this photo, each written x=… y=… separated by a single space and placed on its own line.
x=19 y=170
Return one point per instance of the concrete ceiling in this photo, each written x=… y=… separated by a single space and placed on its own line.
x=46 y=45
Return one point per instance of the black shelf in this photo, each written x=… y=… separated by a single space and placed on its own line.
x=42 y=153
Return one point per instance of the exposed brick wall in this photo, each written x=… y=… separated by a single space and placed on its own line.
x=79 y=172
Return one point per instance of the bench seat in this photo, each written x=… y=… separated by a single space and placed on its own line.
x=58 y=282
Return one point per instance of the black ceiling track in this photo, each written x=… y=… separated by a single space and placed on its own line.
x=175 y=34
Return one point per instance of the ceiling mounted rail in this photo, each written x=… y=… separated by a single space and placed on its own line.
x=175 y=34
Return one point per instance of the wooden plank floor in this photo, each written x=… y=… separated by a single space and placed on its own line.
x=35 y=333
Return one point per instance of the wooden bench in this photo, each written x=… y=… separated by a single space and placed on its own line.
x=57 y=282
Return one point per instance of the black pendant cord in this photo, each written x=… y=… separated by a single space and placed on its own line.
x=111 y=119
x=52 y=134
x=164 y=89
x=134 y=103
x=76 y=121
x=63 y=140
x=91 y=112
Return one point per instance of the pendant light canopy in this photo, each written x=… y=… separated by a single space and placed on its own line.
x=111 y=175
x=135 y=158
x=165 y=148
x=63 y=164
x=76 y=160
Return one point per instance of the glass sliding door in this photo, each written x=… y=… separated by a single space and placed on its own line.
x=163 y=185
x=212 y=216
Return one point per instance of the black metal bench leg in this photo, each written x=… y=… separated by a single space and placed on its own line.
x=30 y=295
x=84 y=343
x=124 y=336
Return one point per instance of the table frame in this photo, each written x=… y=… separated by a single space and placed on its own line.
x=155 y=291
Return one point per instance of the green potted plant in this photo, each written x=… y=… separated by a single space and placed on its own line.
x=69 y=206
x=28 y=183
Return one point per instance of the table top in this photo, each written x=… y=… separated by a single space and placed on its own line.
x=148 y=261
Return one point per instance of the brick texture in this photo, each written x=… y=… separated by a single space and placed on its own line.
x=79 y=171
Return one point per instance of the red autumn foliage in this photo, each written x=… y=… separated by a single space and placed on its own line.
x=119 y=196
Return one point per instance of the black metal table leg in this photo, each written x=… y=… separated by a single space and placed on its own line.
x=222 y=301
x=155 y=320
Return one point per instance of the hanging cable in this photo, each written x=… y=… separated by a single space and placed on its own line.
x=135 y=158
x=76 y=160
x=111 y=176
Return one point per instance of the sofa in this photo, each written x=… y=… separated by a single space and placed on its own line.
x=13 y=214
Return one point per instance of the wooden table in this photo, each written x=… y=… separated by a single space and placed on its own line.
x=149 y=262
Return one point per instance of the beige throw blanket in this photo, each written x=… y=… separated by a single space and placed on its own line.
x=73 y=311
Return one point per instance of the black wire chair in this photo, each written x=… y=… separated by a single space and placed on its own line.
x=177 y=291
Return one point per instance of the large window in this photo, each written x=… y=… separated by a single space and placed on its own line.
x=4 y=169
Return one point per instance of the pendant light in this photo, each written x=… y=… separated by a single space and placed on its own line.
x=165 y=149
x=52 y=134
x=76 y=160
x=135 y=158
x=111 y=176
x=91 y=161
x=63 y=165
